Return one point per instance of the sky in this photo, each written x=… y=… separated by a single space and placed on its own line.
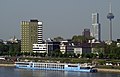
x=63 y=18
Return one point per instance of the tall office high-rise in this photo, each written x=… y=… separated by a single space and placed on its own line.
x=96 y=26
x=31 y=33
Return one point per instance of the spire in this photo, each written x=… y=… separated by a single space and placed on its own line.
x=110 y=8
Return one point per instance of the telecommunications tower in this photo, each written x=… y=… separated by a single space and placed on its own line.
x=110 y=16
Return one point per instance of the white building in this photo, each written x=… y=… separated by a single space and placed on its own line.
x=47 y=47
x=78 y=50
x=40 y=32
x=66 y=46
x=82 y=49
x=40 y=48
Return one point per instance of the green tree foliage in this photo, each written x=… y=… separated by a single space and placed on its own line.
x=56 y=53
x=10 y=49
x=14 y=49
x=59 y=38
x=101 y=56
x=3 y=49
x=80 y=38
x=112 y=51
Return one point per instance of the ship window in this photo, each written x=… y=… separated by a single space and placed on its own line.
x=22 y=63
x=84 y=67
x=72 y=66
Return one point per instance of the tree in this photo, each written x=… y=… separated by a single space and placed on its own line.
x=112 y=51
x=57 y=53
x=78 y=55
x=111 y=56
x=88 y=55
x=65 y=55
x=100 y=55
x=3 y=48
x=59 y=38
x=81 y=38
x=26 y=53
x=83 y=55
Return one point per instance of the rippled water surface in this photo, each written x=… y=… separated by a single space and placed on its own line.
x=15 y=72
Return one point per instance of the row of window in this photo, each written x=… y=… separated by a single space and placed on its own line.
x=49 y=67
x=39 y=48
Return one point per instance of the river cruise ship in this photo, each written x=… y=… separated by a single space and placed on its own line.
x=55 y=66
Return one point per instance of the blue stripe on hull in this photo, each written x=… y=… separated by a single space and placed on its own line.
x=81 y=70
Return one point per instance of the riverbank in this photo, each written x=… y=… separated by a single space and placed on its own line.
x=108 y=70
x=7 y=65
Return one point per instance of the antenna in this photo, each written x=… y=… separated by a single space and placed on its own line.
x=110 y=8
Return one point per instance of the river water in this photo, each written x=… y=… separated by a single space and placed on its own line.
x=15 y=72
